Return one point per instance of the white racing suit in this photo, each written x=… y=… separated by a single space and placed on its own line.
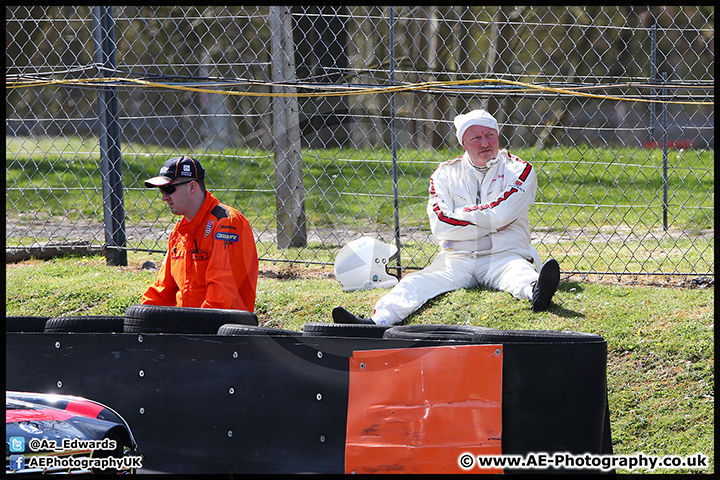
x=468 y=208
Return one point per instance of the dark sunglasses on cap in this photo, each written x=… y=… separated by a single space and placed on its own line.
x=170 y=188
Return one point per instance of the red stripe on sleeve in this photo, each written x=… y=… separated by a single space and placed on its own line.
x=449 y=220
x=524 y=175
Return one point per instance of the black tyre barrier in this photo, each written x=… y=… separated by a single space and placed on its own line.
x=457 y=333
x=534 y=336
x=208 y=390
x=161 y=319
x=85 y=324
x=235 y=329
x=318 y=329
x=15 y=323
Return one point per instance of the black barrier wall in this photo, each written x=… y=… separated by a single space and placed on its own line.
x=260 y=404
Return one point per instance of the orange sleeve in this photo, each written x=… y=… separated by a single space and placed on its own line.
x=164 y=290
x=232 y=275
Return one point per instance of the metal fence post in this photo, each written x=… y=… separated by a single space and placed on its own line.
x=289 y=191
x=111 y=156
x=393 y=141
x=653 y=76
x=665 y=153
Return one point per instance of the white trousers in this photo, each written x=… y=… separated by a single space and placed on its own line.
x=507 y=271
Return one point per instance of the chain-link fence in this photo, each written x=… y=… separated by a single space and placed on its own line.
x=323 y=124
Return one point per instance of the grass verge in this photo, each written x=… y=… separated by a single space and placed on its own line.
x=660 y=340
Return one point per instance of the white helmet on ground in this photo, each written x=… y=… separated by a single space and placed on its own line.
x=362 y=264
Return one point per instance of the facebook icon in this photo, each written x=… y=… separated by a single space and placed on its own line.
x=17 y=462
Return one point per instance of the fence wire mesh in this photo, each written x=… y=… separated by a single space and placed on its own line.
x=323 y=124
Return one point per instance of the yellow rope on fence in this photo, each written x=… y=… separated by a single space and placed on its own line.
x=348 y=90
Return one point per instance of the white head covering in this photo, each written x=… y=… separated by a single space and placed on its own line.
x=476 y=117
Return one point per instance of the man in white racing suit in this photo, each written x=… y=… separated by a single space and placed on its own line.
x=478 y=209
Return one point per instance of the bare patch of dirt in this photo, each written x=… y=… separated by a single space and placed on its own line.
x=294 y=272
x=667 y=281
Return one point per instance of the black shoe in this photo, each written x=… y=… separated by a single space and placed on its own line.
x=546 y=285
x=340 y=315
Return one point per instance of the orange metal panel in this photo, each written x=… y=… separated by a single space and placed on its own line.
x=417 y=410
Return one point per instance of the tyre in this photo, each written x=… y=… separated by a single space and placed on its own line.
x=455 y=333
x=25 y=324
x=85 y=324
x=235 y=329
x=535 y=336
x=162 y=319
x=317 y=329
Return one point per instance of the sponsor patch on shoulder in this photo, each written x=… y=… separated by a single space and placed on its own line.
x=208 y=227
x=226 y=237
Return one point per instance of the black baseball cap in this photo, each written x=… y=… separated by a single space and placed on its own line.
x=177 y=167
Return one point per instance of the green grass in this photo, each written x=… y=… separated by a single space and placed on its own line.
x=578 y=187
x=634 y=256
x=660 y=340
x=581 y=189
